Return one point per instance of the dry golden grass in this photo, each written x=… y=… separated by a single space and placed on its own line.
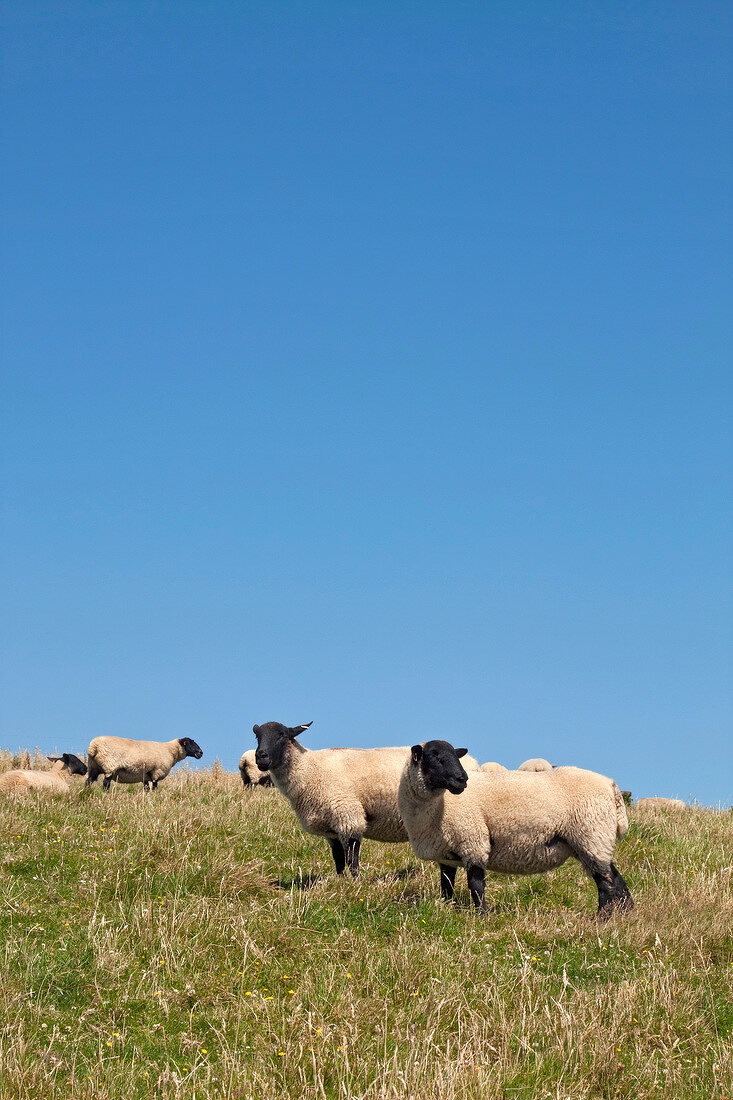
x=193 y=942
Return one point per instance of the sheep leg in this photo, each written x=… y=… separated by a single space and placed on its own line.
x=613 y=893
x=155 y=784
x=353 y=845
x=106 y=782
x=146 y=782
x=447 y=881
x=476 y=884
x=623 y=894
x=339 y=857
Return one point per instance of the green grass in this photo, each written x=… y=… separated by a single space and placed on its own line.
x=193 y=942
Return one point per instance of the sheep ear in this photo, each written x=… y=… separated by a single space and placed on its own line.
x=54 y=759
x=295 y=730
x=255 y=730
x=461 y=752
x=416 y=751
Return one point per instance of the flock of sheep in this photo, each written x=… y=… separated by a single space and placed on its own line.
x=453 y=812
x=491 y=819
x=118 y=758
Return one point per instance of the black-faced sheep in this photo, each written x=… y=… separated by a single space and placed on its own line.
x=56 y=780
x=128 y=761
x=512 y=822
x=343 y=795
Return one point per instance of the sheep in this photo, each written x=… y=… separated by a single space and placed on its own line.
x=491 y=766
x=129 y=761
x=537 y=764
x=661 y=803
x=512 y=822
x=343 y=795
x=250 y=773
x=56 y=780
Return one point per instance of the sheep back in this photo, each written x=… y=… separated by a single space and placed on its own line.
x=660 y=803
x=27 y=780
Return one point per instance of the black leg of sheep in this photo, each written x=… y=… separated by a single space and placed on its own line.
x=613 y=893
x=92 y=773
x=447 y=881
x=339 y=857
x=353 y=846
x=476 y=883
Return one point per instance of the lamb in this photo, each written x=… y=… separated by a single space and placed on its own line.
x=661 y=803
x=55 y=780
x=129 y=761
x=491 y=766
x=343 y=795
x=250 y=773
x=512 y=822
x=536 y=764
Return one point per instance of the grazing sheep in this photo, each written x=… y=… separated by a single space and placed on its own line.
x=492 y=766
x=250 y=773
x=57 y=779
x=537 y=764
x=662 y=803
x=512 y=822
x=340 y=794
x=129 y=761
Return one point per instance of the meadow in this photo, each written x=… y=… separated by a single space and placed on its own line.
x=193 y=942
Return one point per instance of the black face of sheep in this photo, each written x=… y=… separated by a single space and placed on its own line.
x=192 y=749
x=272 y=741
x=73 y=763
x=440 y=766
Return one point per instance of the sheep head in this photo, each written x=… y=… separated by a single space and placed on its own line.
x=72 y=764
x=273 y=740
x=190 y=747
x=440 y=766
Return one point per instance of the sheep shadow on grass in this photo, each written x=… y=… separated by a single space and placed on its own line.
x=297 y=882
x=302 y=881
x=398 y=874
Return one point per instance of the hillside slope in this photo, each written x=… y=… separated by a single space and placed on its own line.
x=194 y=943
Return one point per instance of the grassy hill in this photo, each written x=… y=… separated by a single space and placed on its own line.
x=194 y=942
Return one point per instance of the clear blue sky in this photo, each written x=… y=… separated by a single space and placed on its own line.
x=370 y=364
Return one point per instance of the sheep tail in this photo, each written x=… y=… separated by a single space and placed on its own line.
x=622 y=821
